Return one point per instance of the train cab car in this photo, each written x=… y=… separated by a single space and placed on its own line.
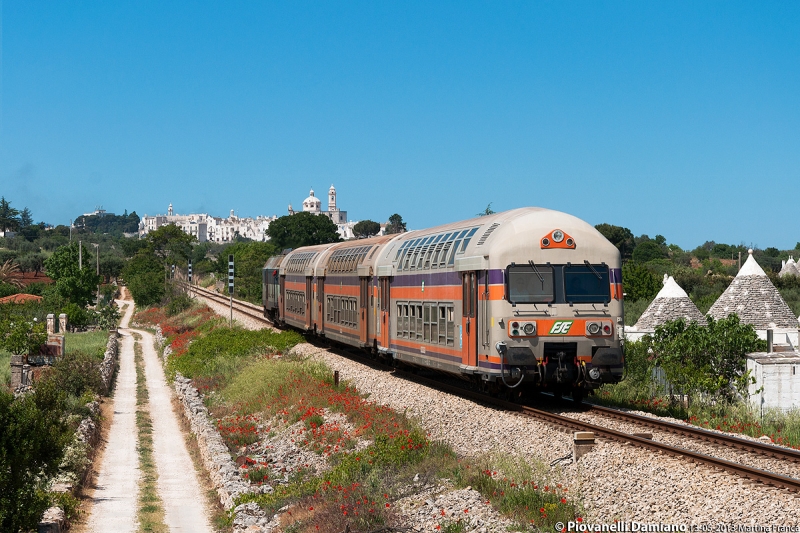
x=529 y=297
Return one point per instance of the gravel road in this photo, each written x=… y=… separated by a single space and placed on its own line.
x=115 y=504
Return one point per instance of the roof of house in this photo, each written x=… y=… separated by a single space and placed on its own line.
x=671 y=303
x=789 y=268
x=20 y=298
x=753 y=297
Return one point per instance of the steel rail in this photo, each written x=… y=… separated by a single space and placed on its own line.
x=747 y=472
x=757 y=447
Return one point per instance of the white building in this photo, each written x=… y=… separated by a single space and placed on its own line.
x=206 y=228
x=313 y=205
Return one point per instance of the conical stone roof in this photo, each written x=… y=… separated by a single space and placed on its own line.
x=753 y=297
x=789 y=268
x=671 y=303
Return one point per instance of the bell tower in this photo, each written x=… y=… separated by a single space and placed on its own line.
x=332 y=198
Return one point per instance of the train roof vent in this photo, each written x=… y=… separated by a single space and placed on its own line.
x=487 y=233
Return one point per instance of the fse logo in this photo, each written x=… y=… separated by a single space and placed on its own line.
x=561 y=327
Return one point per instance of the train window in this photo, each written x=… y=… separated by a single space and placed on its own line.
x=422 y=253
x=428 y=255
x=419 y=321
x=586 y=284
x=442 y=324
x=530 y=284
x=451 y=327
x=434 y=324
x=443 y=256
x=452 y=258
x=472 y=232
x=426 y=320
x=412 y=326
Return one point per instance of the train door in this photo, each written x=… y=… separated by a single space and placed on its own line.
x=321 y=304
x=469 y=320
x=363 y=321
x=384 y=303
x=281 y=298
x=309 y=297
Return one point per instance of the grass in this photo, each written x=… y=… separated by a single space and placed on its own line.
x=151 y=510
x=5 y=368
x=372 y=458
x=782 y=427
x=92 y=342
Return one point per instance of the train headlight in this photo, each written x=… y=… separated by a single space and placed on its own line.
x=558 y=235
x=594 y=373
x=606 y=330
x=529 y=328
x=593 y=328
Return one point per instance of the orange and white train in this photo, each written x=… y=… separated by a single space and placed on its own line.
x=527 y=299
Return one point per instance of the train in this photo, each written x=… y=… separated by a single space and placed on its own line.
x=517 y=302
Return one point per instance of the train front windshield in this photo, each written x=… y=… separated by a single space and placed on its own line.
x=530 y=284
x=586 y=284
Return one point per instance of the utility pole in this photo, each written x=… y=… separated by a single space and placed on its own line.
x=80 y=256
x=97 y=252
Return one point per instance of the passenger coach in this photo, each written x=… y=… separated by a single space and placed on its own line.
x=521 y=300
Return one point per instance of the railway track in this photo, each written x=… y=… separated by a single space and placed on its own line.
x=572 y=424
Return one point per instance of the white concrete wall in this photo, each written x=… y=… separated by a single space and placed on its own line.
x=781 y=336
x=781 y=388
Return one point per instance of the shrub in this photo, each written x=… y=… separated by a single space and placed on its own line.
x=76 y=373
x=178 y=304
x=77 y=316
x=32 y=443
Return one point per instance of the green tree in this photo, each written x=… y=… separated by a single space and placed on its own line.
x=144 y=276
x=9 y=217
x=366 y=228
x=638 y=282
x=32 y=442
x=302 y=229
x=648 y=251
x=620 y=237
x=170 y=244
x=249 y=258
x=395 y=225
x=25 y=218
x=487 y=211
x=707 y=358
x=75 y=284
x=20 y=336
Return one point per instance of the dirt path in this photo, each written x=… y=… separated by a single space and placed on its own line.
x=178 y=484
x=114 y=504
x=115 y=499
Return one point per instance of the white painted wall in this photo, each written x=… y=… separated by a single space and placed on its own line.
x=781 y=387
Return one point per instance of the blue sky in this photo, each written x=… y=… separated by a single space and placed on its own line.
x=678 y=118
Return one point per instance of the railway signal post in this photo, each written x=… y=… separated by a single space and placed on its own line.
x=189 y=275
x=230 y=284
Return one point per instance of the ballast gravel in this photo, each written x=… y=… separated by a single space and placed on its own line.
x=612 y=482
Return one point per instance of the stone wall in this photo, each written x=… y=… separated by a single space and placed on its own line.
x=108 y=368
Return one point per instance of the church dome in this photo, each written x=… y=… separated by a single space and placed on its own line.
x=311 y=203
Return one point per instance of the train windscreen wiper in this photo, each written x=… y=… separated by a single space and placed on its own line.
x=533 y=266
x=595 y=272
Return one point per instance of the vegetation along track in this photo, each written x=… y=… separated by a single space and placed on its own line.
x=573 y=424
